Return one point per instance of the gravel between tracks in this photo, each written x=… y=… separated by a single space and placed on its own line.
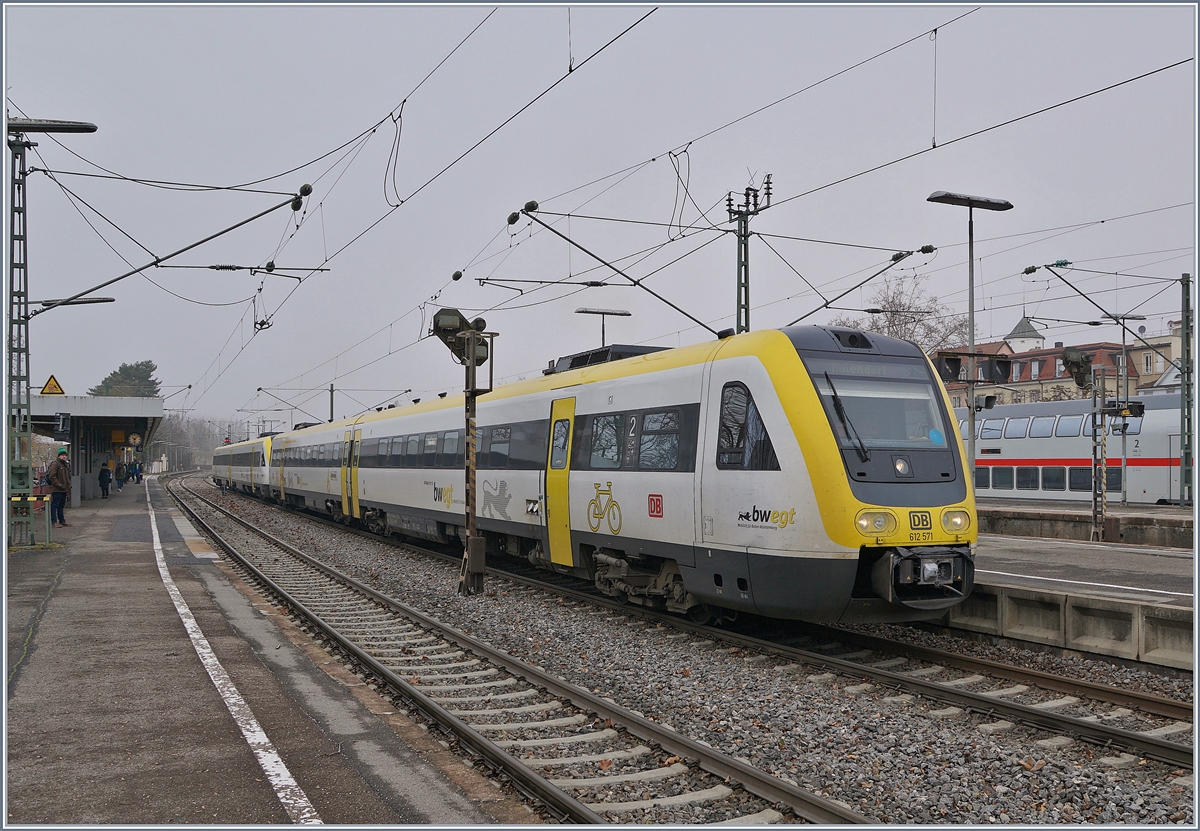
x=893 y=762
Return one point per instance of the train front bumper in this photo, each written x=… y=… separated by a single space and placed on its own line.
x=928 y=577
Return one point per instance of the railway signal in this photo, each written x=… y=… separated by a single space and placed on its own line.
x=468 y=343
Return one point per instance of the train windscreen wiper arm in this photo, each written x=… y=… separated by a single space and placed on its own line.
x=847 y=424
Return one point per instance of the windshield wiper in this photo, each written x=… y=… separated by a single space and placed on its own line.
x=847 y=425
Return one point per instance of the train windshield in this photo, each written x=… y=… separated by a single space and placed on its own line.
x=878 y=402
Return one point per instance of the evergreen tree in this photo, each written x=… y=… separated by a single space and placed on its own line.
x=130 y=380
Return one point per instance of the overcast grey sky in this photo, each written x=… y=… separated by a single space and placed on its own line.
x=647 y=130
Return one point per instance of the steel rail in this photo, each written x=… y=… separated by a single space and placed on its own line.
x=806 y=805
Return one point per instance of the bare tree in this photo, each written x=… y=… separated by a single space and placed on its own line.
x=910 y=313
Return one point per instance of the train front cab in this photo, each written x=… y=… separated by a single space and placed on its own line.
x=881 y=514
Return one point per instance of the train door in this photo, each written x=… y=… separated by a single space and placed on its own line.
x=558 y=475
x=347 y=493
x=355 y=447
x=1174 y=452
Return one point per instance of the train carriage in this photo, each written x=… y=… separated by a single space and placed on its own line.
x=1044 y=451
x=243 y=465
x=806 y=473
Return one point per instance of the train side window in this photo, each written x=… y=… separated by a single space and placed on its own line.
x=606 y=442
x=1016 y=427
x=1113 y=477
x=659 y=448
x=982 y=477
x=528 y=448
x=1068 y=425
x=742 y=440
x=1042 y=427
x=993 y=428
x=963 y=426
x=1106 y=423
x=1079 y=478
x=558 y=447
x=412 y=451
x=450 y=449
x=1002 y=478
x=498 y=450
x=1027 y=478
x=1054 y=478
x=429 y=457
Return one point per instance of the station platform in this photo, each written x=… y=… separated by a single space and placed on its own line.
x=114 y=716
x=1137 y=524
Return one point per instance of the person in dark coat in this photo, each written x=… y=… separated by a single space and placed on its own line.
x=121 y=474
x=105 y=479
x=59 y=477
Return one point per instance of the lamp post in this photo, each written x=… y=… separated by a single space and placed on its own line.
x=603 y=314
x=970 y=203
x=1123 y=384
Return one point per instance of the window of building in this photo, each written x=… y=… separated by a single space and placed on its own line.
x=742 y=440
x=1148 y=362
x=1059 y=367
x=1054 y=478
x=1028 y=478
x=1002 y=478
x=1016 y=371
x=1034 y=367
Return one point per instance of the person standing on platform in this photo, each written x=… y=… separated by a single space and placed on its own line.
x=59 y=476
x=137 y=471
x=121 y=474
x=105 y=479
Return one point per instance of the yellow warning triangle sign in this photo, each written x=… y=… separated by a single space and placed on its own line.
x=52 y=387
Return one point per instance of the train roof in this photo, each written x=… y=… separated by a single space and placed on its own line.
x=1169 y=401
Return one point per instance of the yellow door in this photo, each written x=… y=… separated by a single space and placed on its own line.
x=558 y=474
x=346 y=493
x=354 y=448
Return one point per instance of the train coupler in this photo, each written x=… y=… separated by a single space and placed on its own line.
x=926 y=577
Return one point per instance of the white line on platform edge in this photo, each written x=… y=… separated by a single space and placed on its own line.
x=291 y=796
x=1082 y=583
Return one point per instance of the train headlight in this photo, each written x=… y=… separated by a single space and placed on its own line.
x=875 y=523
x=956 y=521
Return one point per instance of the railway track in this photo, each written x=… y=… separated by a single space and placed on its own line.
x=1106 y=716
x=583 y=757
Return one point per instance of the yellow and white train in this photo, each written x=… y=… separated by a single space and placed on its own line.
x=810 y=473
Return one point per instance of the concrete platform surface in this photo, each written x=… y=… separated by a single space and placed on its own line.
x=112 y=717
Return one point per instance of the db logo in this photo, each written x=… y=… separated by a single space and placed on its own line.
x=655 y=505
x=920 y=520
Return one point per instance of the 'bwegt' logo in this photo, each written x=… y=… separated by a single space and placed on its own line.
x=764 y=516
x=443 y=495
x=920 y=520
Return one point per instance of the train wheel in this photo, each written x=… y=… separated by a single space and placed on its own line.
x=701 y=615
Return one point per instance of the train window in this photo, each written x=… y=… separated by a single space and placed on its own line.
x=1002 y=478
x=501 y=438
x=983 y=477
x=412 y=451
x=1042 y=427
x=659 y=443
x=558 y=445
x=450 y=449
x=528 y=448
x=1068 y=425
x=345 y=454
x=742 y=440
x=1105 y=423
x=1113 y=477
x=1027 y=478
x=1126 y=426
x=1016 y=427
x=429 y=457
x=1054 y=478
x=993 y=428
x=962 y=429
x=606 y=442
x=1079 y=478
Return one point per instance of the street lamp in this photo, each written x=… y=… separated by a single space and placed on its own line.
x=603 y=314
x=970 y=203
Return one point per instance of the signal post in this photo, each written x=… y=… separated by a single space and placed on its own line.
x=470 y=346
